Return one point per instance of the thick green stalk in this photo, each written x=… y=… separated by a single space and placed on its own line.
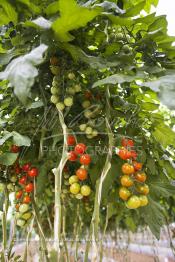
x=4 y=224
x=58 y=183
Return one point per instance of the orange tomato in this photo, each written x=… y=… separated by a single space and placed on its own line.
x=127 y=169
x=126 y=181
x=81 y=174
x=137 y=166
x=124 y=193
x=143 y=189
x=127 y=142
x=141 y=177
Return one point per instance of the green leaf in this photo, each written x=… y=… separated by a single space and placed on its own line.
x=8 y=55
x=72 y=16
x=21 y=72
x=8 y=159
x=52 y=8
x=8 y=13
x=160 y=22
x=134 y=10
x=153 y=216
x=164 y=135
x=34 y=8
x=121 y=20
x=161 y=188
x=116 y=79
x=18 y=139
x=130 y=224
x=42 y=179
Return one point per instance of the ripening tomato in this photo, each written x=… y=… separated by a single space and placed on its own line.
x=33 y=172
x=71 y=140
x=127 y=169
x=80 y=148
x=143 y=201
x=81 y=174
x=134 y=154
x=19 y=194
x=29 y=187
x=66 y=169
x=26 y=167
x=127 y=142
x=85 y=190
x=88 y=94
x=124 y=154
x=17 y=206
x=73 y=179
x=15 y=149
x=124 y=193
x=137 y=166
x=17 y=170
x=22 y=180
x=141 y=177
x=26 y=199
x=75 y=188
x=126 y=181
x=143 y=189
x=72 y=156
x=133 y=202
x=85 y=159
x=54 y=60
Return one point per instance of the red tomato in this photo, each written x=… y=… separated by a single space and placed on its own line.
x=26 y=199
x=17 y=170
x=33 y=172
x=124 y=154
x=29 y=187
x=15 y=149
x=71 y=140
x=137 y=166
x=72 y=156
x=127 y=169
x=127 y=142
x=80 y=148
x=22 y=180
x=85 y=159
x=133 y=154
x=81 y=174
x=26 y=167
x=19 y=194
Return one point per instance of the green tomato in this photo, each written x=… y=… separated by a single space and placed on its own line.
x=133 y=202
x=79 y=196
x=20 y=222
x=119 y=36
x=73 y=179
x=55 y=70
x=17 y=215
x=77 y=88
x=71 y=91
x=75 y=188
x=23 y=208
x=89 y=136
x=88 y=114
x=54 y=99
x=82 y=127
x=71 y=76
x=60 y=106
x=54 y=90
x=143 y=201
x=68 y=101
x=13 y=179
x=85 y=190
x=11 y=187
x=86 y=104
x=94 y=133
x=27 y=216
x=88 y=130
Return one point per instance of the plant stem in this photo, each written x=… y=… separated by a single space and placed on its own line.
x=58 y=181
x=4 y=223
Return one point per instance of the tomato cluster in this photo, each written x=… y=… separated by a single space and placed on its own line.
x=133 y=189
x=77 y=181
x=22 y=183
